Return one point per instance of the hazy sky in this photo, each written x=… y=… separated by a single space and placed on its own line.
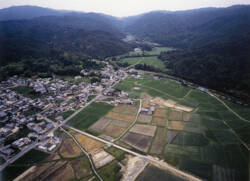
x=123 y=7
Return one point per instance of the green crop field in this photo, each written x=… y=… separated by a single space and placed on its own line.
x=212 y=136
x=162 y=88
x=110 y=172
x=152 y=61
x=31 y=158
x=158 y=50
x=67 y=114
x=89 y=115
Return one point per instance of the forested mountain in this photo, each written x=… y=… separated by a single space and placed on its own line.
x=60 y=44
x=213 y=45
x=27 y=12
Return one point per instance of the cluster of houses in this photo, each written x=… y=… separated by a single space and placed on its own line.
x=49 y=144
x=51 y=98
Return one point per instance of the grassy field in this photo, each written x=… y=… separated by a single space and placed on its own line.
x=110 y=172
x=31 y=158
x=90 y=115
x=67 y=114
x=158 y=50
x=154 y=51
x=152 y=61
x=162 y=88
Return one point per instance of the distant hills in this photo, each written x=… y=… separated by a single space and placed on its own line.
x=213 y=44
x=27 y=12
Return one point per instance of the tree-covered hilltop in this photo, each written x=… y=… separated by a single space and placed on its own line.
x=222 y=66
x=26 y=45
x=213 y=45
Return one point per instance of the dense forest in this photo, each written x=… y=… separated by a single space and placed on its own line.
x=57 y=44
x=212 y=44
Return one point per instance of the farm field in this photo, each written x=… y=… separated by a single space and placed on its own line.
x=69 y=162
x=152 y=61
x=31 y=158
x=199 y=134
x=116 y=121
x=90 y=115
x=154 y=51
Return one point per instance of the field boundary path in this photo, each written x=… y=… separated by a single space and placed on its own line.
x=86 y=153
x=172 y=169
x=131 y=125
x=231 y=110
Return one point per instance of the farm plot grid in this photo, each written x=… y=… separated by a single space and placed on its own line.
x=116 y=121
x=209 y=137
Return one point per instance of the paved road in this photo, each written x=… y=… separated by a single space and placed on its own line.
x=17 y=156
x=149 y=158
x=33 y=145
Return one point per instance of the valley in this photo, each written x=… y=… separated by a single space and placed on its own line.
x=159 y=96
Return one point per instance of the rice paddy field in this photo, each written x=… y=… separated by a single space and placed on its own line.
x=90 y=115
x=210 y=142
x=154 y=51
x=152 y=61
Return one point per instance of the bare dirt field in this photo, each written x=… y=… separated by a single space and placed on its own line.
x=175 y=125
x=158 y=142
x=35 y=172
x=138 y=141
x=88 y=143
x=175 y=115
x=133 y=163
x=143 y=129
x=101 y=158
x=146 y=96
x=171 y=104
x=144 y=118
x=120 y=123
x=100 y=124
x=158 y=121
x=122 y=117
x=69 y=149
x=163 y=102
x=186 y=116
x=113 y=130
x=125 y=109
x=48 y=172
x=183 y=108
x=161 y=112
x=171 y=135
x=146 y=104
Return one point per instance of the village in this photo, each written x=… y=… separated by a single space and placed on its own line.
x=27 y=119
